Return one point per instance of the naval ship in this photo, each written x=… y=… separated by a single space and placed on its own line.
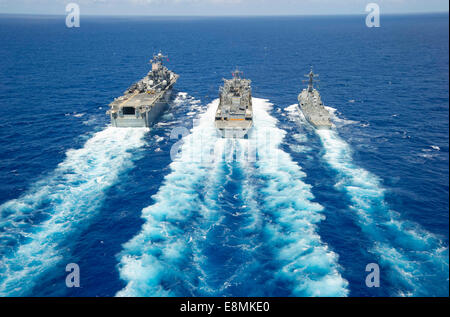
x=144 y=101
x=312 y=107
x=234 y=115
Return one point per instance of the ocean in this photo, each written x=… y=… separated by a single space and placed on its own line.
x=304 y=218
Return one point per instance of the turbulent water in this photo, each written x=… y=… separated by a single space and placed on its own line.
x=36 y=228
x=406 y=251
x=271 y=241
x=177 y=210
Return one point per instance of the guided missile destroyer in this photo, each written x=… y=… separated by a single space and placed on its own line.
x=144 y=101
x=234 y=115
x=312 y=107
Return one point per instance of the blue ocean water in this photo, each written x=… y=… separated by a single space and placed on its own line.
x=302 y=219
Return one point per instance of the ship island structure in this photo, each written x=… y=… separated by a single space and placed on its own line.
x=145 y=100
x=311 y=105
x=234 y=115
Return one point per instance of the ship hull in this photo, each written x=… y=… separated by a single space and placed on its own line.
x=234 y=114
x=315 y=123
x=318 y=121
x=233 y=133
x=233 y=129
x=131 y=121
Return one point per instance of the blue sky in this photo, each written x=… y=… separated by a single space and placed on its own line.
x=221 y=7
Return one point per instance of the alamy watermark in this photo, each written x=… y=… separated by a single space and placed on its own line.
x=73 y=278
x=373 y=18
x=205 y=146
x=73 y=15
x=373 y=278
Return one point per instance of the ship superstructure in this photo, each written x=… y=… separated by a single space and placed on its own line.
x=234 y=115
x=144 y=101
x=311 y=105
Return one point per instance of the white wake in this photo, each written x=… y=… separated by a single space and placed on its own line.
x=33 y=227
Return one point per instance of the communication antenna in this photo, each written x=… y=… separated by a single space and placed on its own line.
x=158 y=58
x=237 y=73
x=311 y=79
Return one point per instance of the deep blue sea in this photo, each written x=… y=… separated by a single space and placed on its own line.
x=304 y=218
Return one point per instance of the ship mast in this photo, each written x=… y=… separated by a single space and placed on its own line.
x=237 y=74
x=311 y=80
x=157 y=60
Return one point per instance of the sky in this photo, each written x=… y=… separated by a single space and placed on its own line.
x=221 y=7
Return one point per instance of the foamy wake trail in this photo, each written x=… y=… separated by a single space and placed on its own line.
x=173 y=254
x=34 y=228
x=161 y=259
x=418 y=260
x=304 y=262
x=227 y=247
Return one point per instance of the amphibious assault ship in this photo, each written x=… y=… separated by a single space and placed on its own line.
x=312 y=107
x=234 y=115
x=144 y=101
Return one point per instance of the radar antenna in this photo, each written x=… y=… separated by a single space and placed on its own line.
x=158 y=58
x=237 y=73
x=311 y=80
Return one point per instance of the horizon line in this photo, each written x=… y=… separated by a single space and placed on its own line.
x=220 y=16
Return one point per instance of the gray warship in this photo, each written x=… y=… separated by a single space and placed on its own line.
x=234 y=115
x=143 y=102
x=312 y=107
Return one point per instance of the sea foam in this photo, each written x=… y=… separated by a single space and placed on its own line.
x=156 y=261
x=35 y=227
x=417 y=260
x=305 y=262
x=166 y=257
